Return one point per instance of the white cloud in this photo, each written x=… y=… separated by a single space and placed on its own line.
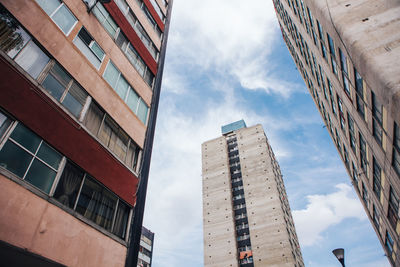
x=232 y=37
x=324 y=211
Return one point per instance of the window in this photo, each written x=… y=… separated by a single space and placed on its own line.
x=345 y=156
x=389 y=243
x=89 y=47
x=343 y=62
x=69 y=184
x=30 y=158
x=351 y=133
x=65 y=90
x=331 y=45
x=377 y=179
x=105 y=19
x=364 y=194
x=359 y=93
x=363 y=154
x=26 y=155
x=377 y=119
x=157 y=9
x=393 y=208
x=355 y=175
x=346 y=85
x=130 y=16
x=375 y=217
x=320 y=31
x=59 y=13
x=18 y=44
x=115 y=79
x=112 y=136
x=32 y=59
x=396 y=149
x=122 y=41
x=149 y=17
x=5 y=123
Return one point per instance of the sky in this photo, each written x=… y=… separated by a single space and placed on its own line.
x=226 y=61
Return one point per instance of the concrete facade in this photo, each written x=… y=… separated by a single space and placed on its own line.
x=79 y=95
x=245 y=207
x=348 y=54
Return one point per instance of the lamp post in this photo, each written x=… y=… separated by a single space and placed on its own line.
x=339 y=254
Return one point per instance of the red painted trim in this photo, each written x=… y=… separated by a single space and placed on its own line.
x=130 y=33
x=28 y=104
x=154 y=14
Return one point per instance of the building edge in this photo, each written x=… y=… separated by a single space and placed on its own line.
x=137 y=218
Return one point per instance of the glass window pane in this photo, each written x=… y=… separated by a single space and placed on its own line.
x=142 y=111
x=121 y=41
x=49 y=6
x=122 y=88
x=49 y=155
x=111 y=74
x=106 y=132
x=12 y=37
x=26 y=138
x=40 y=176
x=97 y=51
x=68 y=186
x=121 y=145
x=5 y=122
x=96 y=204
x=75 y=99
x=32 y=59
x=121 y=220
x=64 y=19
x=87 y=52
x=94 y=118
x=133 y=100
x=53 y=86
x=14 y=159
x=148 y=78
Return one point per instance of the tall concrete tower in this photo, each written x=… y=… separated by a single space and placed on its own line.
x=246 y=214
x=348 y=55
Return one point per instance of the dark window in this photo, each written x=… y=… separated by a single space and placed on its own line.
x=69 y=184
x=396 y=149
x=26 y=155
x=393 y=209
x=363 y=153
x=359 y=93
x=343 y=62
x=377 y=119
x=5 y=123
x=375 y=217
x=389 y=243
x=365 y=194
x=355 y=175
x=351 y=133
x=96 y=204
x=377 y=179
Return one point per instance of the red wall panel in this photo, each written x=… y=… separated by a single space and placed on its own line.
x=126 y=28
x=154 y=14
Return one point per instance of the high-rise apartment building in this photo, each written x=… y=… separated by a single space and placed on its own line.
x=348 y=54
x=246 y=215
x=79 y=89
x=146 y=248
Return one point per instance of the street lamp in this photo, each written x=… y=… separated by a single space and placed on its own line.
x=339 y=254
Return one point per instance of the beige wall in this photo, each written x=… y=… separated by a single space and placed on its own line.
x=218 y=217
x=32 y=223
